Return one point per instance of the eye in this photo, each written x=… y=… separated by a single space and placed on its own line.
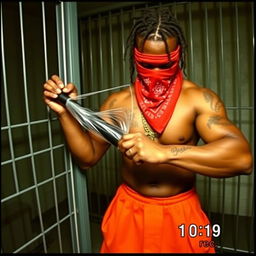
x=168 y=65
x=150 y=66
x=147 y=65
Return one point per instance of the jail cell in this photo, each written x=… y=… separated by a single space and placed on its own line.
x=220 y=40
x=41 y=189
x=43 y=193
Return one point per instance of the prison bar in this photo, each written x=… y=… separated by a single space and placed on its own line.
x=7 y=105
x=34 y=186
x=62 y=38
x=220 y=85
x=62 y=61
x=44 y=232
x=28 y=121
x=50 y=130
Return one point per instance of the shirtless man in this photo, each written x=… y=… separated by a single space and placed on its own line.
x=159 y=170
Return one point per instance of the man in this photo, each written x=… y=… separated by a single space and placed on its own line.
x=157 y=206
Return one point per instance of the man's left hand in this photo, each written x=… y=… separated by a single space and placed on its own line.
x=139 y=148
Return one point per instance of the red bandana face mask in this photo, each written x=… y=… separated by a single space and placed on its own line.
x=157 y=91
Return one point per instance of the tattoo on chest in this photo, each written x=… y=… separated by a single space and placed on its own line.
x=217 y=120
x=214 y=105
x=178 y=150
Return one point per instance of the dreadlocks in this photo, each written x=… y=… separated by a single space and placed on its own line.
x=155 y=24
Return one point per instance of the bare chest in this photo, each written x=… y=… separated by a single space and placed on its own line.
x=179 y=130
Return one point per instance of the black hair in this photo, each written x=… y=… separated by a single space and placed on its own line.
x=156 y=24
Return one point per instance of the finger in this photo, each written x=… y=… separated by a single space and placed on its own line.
x=127 y=144
x=51 y=104
x=131 y=152
x=58 y=81
x=52 y=87
x=128 y=136
x=50 y=94
x=137 y=160
x=69 y=88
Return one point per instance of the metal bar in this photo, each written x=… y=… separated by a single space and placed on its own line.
x=90 y=52
x=251 y=232
x=100 y=52
x=48 y=109
x=223 y=211
x=222 y=59
x=7 y=106
x=191 y=42
x=238 y=101
x=70 y=203
x=79 y=192
x=74 y=204
x=42 y=234
x=232 y=249
x=207 y=81
x=30 y=155
x=83 y=54
x=101 y=86
x=49 y=127
x=25 y=124
x=111 y=49
x=108 y=162
x=45 y=43
x=253 y=45
x=64 y=65
x=33 y=187
x=207 y=46
x=123 y=45
x=175 y=10
x=93 y=176
x=28 y=120
x=223 y=96
x=91 y=76
x=238 y=80
x=83 y=61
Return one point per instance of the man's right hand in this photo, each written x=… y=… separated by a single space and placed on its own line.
x=52 y=88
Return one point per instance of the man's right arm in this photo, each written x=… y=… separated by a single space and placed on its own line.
x=86 y=148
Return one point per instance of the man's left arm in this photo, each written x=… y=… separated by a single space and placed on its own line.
x=226 y=152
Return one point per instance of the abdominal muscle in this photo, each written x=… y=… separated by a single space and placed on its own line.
x=157 y=180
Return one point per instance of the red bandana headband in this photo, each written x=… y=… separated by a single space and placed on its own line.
x=157 y=91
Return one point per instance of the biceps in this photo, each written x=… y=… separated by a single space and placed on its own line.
x=100 y=146
x=214 y=127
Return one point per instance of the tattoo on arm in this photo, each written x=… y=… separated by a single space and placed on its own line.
x=215 y=106
x=179 y=150
x=217 y=120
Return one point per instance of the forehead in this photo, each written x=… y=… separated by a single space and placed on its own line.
x=156 y=46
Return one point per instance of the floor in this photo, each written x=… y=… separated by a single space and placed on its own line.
x=96 y=237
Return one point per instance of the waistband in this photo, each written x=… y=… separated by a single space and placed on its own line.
x=128 y=191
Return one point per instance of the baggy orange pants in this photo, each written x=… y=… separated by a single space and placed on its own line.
x=137 y=224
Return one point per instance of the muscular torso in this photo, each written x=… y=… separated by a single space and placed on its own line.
x=162 y=180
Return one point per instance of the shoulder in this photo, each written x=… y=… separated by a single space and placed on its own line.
x=116 y=99
x=202 y=98
x=194 y=90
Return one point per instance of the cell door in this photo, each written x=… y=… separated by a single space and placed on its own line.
x=43 y=194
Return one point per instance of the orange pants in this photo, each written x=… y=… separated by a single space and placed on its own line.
x=137 y=224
